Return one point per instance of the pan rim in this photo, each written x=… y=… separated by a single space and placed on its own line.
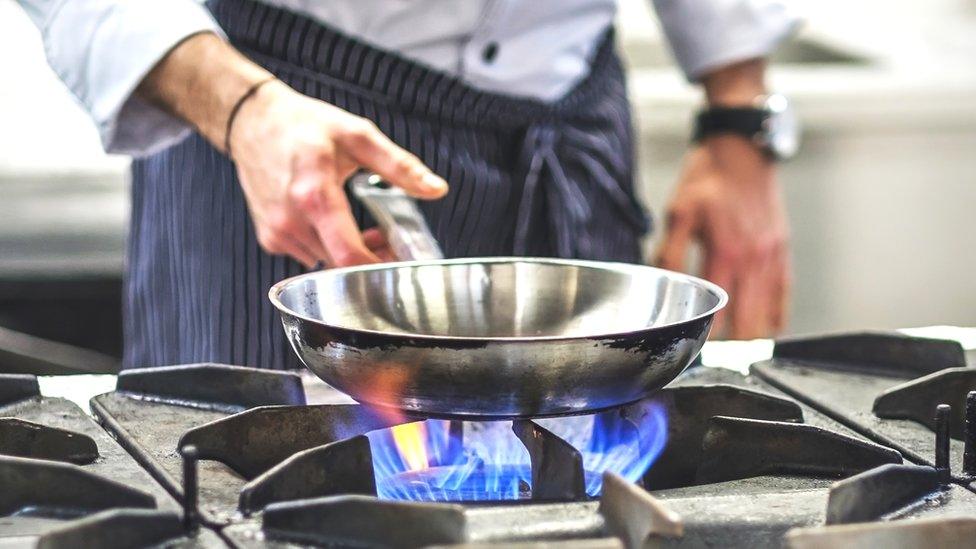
x=723 y=297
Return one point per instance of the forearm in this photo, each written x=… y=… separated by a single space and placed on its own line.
x=736 y=85
x=199 y=81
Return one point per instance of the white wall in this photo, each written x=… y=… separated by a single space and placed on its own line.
x=63 y=202
x=883 y=195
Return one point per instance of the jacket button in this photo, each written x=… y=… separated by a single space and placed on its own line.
x=490 y=52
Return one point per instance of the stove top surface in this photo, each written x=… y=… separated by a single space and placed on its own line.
x=826 y=440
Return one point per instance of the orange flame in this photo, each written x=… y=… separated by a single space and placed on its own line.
x=410 y=437
x=411 y=440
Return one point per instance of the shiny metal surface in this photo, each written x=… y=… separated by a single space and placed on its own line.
x=398 y=216
x=497 y=337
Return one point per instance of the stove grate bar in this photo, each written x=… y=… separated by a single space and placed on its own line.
x=689 y=409
x=884 y=353
x=126 y=528
x=873 y=494
x=737 y=448
x=365 y=521
x=21 y=438
x=51 y=488
x=254 y=441
x=213 y=386
x=343 y=467
x=917 y=399
x=14 y=387
x=557 y=467
x=769 y=371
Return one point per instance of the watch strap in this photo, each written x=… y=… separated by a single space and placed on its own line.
x=745 y=121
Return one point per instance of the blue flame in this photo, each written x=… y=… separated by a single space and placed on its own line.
x=488 y=462
x=609 y=442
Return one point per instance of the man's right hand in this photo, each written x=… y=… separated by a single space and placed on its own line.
x=293 y=153
x=293 y=156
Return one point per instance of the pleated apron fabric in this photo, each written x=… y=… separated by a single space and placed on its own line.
x=527 y=178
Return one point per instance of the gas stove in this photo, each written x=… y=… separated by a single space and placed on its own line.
x=854 y=440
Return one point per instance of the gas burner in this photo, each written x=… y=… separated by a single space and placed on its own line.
x=698 y=439
x=439 y=460
x=687 y=433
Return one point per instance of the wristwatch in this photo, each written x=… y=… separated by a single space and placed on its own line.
x=770 y=123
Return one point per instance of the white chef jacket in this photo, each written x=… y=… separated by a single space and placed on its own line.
x=102 y=49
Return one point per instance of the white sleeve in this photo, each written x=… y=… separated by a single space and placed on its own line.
x=102 y=49
x=708 y=34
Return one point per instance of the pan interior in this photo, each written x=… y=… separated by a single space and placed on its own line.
x=500 y=299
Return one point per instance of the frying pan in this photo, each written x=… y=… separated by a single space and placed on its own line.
x=491 y=338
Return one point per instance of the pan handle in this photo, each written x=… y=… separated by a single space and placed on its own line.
x=398 y=217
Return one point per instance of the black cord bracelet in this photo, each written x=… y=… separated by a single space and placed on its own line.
x=237 y=107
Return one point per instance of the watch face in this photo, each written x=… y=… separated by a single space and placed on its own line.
x=782 y=131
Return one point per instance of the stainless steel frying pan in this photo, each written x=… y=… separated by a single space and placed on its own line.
x=491 y=337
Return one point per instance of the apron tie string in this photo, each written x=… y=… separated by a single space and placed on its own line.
x=568 y=211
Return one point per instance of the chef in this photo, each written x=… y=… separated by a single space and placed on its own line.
x=246 y=117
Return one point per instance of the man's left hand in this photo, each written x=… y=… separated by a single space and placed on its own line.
x=728 y=199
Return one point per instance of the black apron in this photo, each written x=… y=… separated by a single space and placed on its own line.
x=527 y=178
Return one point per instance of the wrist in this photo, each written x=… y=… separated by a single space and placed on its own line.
x=255 y=112
x=770 y=125
x=736 y=85
x=200 y=81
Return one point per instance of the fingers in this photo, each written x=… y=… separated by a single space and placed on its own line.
x=293 y=178
x=285 y=231
x=328 y=208
x=733 y=206
x=750 y=306
x=290 y=248
x=673 y=252
x=286 y=238
x=318 y=196
x=309 y=239
x=755 y=274
x=374 y=239
x=367 y=145
x=385 y=254
x=781 y=289
x=304 y=246
x=720 y=272
x=771 y=272
x=758 y=284
x=303 y=254
x=324 y=205
x=376 y=242
x=339 y=233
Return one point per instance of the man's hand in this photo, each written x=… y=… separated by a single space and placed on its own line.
x=728 y=199
x=293 y=156
x=293 y=153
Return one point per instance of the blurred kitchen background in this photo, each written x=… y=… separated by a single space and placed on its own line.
x=882 y=195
